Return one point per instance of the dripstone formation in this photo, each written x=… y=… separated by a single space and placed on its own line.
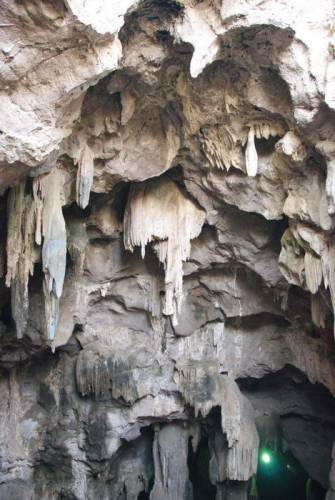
x=167 y=252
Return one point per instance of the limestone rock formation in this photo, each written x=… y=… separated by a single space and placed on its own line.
x=158 y=211
x=167 y=263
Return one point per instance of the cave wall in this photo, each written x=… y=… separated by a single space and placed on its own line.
x=167 y=175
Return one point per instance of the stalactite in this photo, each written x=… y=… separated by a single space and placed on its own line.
x=231 y=415
x=319 y=310
x=231 y=100
x=313 y=272
x=317 y=262
x=267 y=129
x=330 y=186
x=15 y=211
x=311 y=358
x=20 y=252
x=85 y=173
x=328 y=269
x=157 y=211
x=203 y=388
x=102 y=375
x=259 y=130
x=218 y=145
x=92 y=375
x=251 y=157
x=291 y=258
x=200 y=386
x=238 y=424
x=77 y=241
x=48 y=192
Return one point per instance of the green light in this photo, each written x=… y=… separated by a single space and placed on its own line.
x=266 y=457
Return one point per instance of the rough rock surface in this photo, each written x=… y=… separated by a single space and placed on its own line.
x=202 y=131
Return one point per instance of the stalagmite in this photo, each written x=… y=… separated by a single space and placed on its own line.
x=170 y=450
x=85 y=162
x=48 y=192
x=251 y=157
x=157 y=211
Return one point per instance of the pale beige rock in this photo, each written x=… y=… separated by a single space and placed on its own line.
x=251 y=157
x=313 y=272
x=157 y=211
x=21 y=253
x=203 y=133
x=49 y=192
x=85 y=175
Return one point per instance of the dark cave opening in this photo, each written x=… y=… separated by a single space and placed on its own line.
x=143 y=496
x=280 y=475
x=304 y=425
x=198 y=465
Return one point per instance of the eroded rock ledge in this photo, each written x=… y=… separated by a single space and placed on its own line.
x=166 y=247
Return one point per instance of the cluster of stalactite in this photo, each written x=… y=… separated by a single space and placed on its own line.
x=307 y=259
x=103 y=376
x=222 y=146
x=35 y=218
x=157 y=211
x=204 y=388
x=36 y=229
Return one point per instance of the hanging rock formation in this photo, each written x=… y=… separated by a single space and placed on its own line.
x=33 y=218
x=84 y=176
x=167 y=263
x=158 y=211
x=48 y=194
x=20 y=252
x=171 y=472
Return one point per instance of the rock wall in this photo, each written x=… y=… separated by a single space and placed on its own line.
x=167 y=174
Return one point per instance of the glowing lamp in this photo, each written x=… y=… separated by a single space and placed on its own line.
x=266 y=457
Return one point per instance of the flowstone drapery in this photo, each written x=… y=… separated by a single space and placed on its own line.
x=34 y=219
x=20 y=252
x=157 y=211
x=47 y=192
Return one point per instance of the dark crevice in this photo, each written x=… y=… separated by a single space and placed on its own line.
x=143 y=496
x=198 y=465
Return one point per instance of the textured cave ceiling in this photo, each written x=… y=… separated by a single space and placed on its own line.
x=167 y=255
